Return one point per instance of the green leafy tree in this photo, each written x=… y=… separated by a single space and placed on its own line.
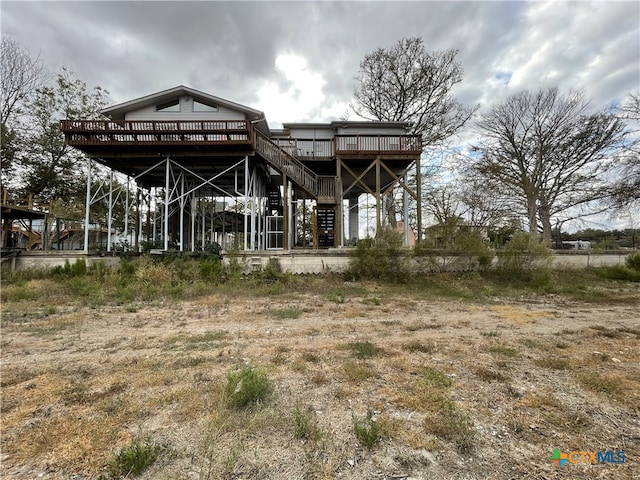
x=21 y=75
x=51 y=169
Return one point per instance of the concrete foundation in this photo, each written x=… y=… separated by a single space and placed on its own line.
x=309 y=261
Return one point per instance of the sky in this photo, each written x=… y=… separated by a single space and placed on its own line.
x=297 y=61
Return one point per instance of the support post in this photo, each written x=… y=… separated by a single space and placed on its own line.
x=378 y=197
x=354 y=213
x=87 y=208
x=166 y=204
x=419 y=201
x=181 y=204
x=285 y=213
x=126 y=213
x=405 y=201
x=110 y=211
x=246 y=201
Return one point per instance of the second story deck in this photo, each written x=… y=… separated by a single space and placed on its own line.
x=105 y=136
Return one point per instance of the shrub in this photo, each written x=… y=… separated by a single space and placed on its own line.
x=306 y=425
x=524 y=254
x=132 y=459
x=247 y=386
x=367 y=430
x=633 y=261
x=380 y=258
x=619 y=272
x=363 y=349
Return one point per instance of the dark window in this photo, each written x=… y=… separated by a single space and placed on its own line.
x=173 y=106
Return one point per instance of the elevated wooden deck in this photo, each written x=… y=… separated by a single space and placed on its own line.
x=132 y=147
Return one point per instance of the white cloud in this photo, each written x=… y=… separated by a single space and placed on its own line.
x=301 y=94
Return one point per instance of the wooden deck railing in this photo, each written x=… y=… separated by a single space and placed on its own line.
x=30 y=202
x=142 y=132
x=307 y=148
x=378 y=144
x=286 y=163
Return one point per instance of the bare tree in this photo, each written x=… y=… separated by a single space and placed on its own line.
x=627 y=189
x=407 y=83
x=22 y=75
x=546 y=150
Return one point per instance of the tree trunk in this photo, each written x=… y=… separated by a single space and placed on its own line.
x=545 y=219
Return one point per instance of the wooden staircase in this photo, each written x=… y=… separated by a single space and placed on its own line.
x=323 y=189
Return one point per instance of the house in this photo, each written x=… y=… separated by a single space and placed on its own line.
x=206 y=160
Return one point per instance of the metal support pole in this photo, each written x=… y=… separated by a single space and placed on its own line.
x=87 y=208
x=285 y=219
x=419 y=201
x=193 y=211
x=110 y=211
x=246 y=199
x=166 y=204
x=340 y=206
x=252 y=186
x=405 y=202
x=181 y=204
x=126 y=214
x=378 y=198
x=203 y=220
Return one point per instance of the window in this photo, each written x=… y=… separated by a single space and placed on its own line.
x=201 y=107
x=173 y=106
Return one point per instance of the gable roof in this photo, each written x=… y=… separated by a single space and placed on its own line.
x=117 y=112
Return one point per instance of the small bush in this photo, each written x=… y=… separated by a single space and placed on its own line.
x=363 y=349
x=454 y=425
x=306 y=425
x=132 y=459
x=246 y=387
x=619 y=272
x=367 y=430
x=522 y=254
x=380 y=258
x=633 y=261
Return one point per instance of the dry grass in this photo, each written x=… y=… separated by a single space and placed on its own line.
x=458 y=390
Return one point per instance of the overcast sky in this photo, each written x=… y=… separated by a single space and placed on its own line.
x=296 y=61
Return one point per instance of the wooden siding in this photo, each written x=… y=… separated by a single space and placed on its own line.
x=312 y=132
x=186 y=113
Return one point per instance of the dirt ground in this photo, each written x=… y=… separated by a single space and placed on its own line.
x=461 y=390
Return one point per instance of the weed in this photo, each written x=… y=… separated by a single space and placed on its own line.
x=246 y=387
x=306 y=424
x=132 y=459
x=503 y=350
x=436 y=378
x=356 y=372
x=489 y=375
x=599 y=382
x=363 y=349
x=491 y=334
x=553 y=363
x=418 y=346
x=310 y=357
x=371 y=301
x=452 y=424
x=337 y=296
x=368 y=431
